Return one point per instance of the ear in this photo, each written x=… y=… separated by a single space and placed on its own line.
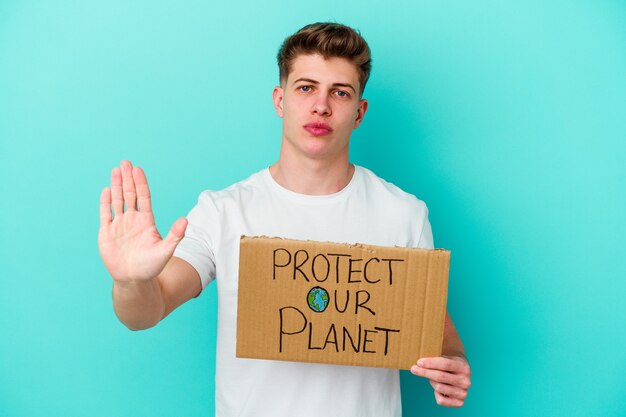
x=277 y=97
x=360 y=112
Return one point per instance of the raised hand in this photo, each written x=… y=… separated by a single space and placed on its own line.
x=130 y=244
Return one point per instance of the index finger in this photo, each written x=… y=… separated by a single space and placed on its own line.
x=143 y=191
x=443 y=364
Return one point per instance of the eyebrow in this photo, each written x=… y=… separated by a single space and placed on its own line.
x=309 y=80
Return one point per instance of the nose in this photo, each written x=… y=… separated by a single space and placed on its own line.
x=321 y=105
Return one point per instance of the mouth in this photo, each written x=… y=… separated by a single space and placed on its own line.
x=318 y=129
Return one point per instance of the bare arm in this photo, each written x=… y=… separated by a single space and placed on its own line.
x=449 y=374
x=148 y=282
x=452 y=345
x=143 y=304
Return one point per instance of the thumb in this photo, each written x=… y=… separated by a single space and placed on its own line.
x=176 y=234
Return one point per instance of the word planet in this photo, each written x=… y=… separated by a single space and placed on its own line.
x=318 y=299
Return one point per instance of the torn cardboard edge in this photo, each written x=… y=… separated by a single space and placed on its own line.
x=339 y=303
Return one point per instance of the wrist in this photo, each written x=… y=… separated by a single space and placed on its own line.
x=455 y=354
x=134 y=284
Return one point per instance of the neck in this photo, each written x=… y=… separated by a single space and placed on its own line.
x=313 y=177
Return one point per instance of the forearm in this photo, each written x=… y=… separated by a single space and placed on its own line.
x=138 y=304
x=452 y=344
x=449 y=374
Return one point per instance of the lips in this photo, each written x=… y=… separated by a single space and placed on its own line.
x=318 y=129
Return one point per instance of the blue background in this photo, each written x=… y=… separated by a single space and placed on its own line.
x=507 y=118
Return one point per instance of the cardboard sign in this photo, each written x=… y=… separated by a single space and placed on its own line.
x=341 y=304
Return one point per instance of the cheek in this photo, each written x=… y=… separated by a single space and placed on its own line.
x=290 y=121
x=350 y=117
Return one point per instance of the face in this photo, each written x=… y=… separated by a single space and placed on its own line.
x=320 y=107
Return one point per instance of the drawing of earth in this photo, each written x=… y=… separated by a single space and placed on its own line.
x=318 y=299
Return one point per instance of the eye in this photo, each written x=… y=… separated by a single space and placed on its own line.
x=342 y=93
x=305 y=88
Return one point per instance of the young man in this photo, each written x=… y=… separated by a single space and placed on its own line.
x=312 y=192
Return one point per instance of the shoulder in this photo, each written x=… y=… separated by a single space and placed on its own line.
x=236 y=192
x=391 y=194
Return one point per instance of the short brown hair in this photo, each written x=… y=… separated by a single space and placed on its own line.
x=331 y=40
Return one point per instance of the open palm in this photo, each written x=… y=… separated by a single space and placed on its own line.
x=130 y=245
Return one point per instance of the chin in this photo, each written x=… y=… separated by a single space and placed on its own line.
x=320 y=145
x=317 y=147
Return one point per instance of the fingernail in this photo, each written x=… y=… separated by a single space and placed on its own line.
x=420 y=363
x=414 y=369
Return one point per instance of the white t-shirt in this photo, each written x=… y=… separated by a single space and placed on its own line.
x=368 y=210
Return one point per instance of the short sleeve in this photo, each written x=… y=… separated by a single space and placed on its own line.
x=197 y=247
x=426 y=236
